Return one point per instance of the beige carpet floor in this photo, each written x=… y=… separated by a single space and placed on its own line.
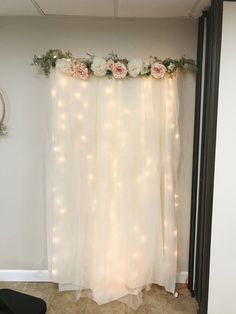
x=155 y=301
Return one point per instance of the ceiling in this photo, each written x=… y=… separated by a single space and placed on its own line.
x=104 y=8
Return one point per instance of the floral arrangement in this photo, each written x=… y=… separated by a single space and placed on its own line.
x=112 y=65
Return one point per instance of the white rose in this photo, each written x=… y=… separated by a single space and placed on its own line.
x=99 y=66
x=135 y=67
x=63 y=65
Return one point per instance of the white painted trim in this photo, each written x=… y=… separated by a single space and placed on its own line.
x=182 y=277
x=44 y=275
x=25 y=275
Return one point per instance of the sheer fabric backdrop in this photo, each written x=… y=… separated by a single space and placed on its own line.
x=112 y=167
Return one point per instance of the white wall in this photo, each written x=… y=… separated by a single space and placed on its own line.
x=22 y=221
x=223 y=249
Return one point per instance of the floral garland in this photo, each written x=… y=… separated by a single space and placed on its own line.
x=111 y=66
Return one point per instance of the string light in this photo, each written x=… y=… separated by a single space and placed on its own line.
x=108 y=90
x=89 y=157
x=172 y=125
x=61 y=159
x=177 y=135
x=77 y=95
x=143 y=239
x=83 y=138
x=54 y=272
x=84 y=84
x=56 y=149
x=53 y=92
x=80 y=116
x=139 y=179
x=55 y=240
x=59 y=104
x=112 y=215
x=85 y=104
x=90 y=177
x=62 y=211
x=58 y=201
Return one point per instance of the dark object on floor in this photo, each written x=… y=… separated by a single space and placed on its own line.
x=13 y=302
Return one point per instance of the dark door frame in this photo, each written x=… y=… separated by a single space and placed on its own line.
x=210 y=25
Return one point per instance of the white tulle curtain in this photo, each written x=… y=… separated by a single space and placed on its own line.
x=111 y=185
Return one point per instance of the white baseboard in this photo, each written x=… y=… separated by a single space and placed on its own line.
x=182 y=277
x=25 y=275
x=44 y=275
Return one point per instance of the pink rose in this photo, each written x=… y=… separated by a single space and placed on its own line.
x=119 y=70
x=110 y=64
x=158 y=70
x=79 y=70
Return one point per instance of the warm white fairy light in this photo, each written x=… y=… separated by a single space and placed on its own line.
x=172 y=125
x=176 y=196
x=83 y=138
x=176 y=204
x=112 y=215
x=148 y=161
x=90 y=177
x=136 y=255
x=62 y=211
x=84 y=84
x=54 y=272
x=85 y=104
x=80 y=116
x=63 y=126
x=115 y=175
x=58 y=201
x=171 y=93
x=63 y=116
x=56 y=149
x=139 y=179
x=175 y=253
x=77 y=95
x=59 y=104
x=177 y=136
x=108 y=90
x=89 y=157
x=147 y=173
x=53 y=92
x=108 y=254
x=136 y=228
x=61 y=159
x=143 y=239
x=55 y=240
x=175 y=233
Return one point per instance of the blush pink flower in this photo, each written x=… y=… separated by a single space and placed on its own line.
x=158 y=70
x=79 y=70
x=110 y=64
x=119 y=70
